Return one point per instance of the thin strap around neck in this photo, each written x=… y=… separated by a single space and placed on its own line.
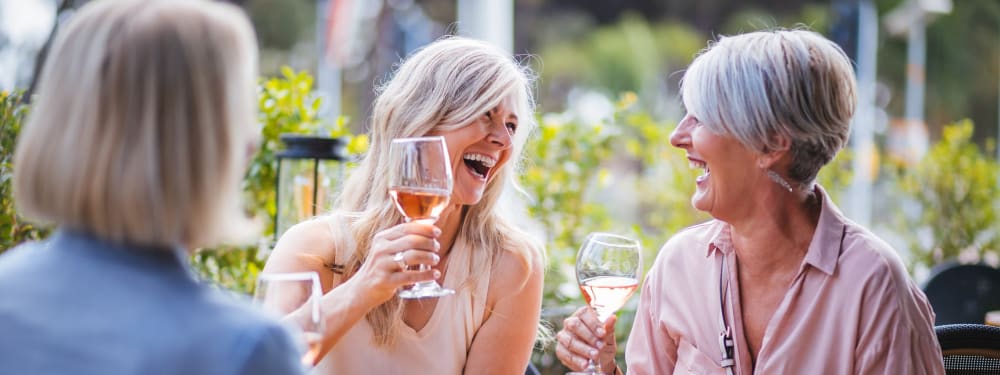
x=725 y=332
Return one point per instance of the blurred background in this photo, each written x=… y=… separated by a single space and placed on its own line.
x=921 y=169
x=582 y=48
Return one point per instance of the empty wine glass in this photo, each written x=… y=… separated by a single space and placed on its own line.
x=420 y=183
x=294 y=298
x=608 y=267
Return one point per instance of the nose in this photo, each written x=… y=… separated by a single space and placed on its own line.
x=498 y=134
x=681 y=136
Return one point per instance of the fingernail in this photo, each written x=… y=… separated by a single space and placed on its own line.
x=437 y=245
x=436 y=258
x=600 y=344
x=437 y=231
x=437 y=274
x=593 y=353
x=600 y=332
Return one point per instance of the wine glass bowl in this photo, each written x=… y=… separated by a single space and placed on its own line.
x=608 y=268
x=294 y=298
x=420 y=184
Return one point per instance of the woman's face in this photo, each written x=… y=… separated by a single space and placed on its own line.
x=478 y=150
x=730 y=168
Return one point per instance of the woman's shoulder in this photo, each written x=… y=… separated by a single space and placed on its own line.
x=513 y=273
x=861 y=250
x=687 y=240
x=512 y=270
x=312 y=242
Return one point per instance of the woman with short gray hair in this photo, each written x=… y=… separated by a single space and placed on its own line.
x=780 y=282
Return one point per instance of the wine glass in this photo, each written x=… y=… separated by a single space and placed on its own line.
x=608 y=268
x=294 y=298
x=420 y=183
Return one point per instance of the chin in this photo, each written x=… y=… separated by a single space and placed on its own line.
x=701 y=203
x=468 y=198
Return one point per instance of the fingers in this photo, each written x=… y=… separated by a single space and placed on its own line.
x=406 y=259
x=406 y=236
x=573 y=352
x=585 y=325
x=584 y=337
x=414 y=227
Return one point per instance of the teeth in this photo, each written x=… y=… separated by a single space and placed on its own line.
x=697 y=164
x=487 y=161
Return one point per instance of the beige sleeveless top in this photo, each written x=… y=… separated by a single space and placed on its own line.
x=440 y=347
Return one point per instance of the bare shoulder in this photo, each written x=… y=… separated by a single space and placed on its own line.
x=517 y=272
x=308 y=245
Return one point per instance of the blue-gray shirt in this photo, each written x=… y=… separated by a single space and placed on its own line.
x=76 y=304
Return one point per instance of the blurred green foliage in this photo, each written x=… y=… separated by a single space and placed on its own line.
x=615 y=175
x=956 y=189
x=12 y=229
x=286 y=104
x=281 y=23
x=629 y=56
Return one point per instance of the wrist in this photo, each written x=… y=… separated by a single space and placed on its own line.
x=610 y=367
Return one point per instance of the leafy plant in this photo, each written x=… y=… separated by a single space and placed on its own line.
x=618 y=174
x=956 y=189
x=12 y=230
x=287 y=104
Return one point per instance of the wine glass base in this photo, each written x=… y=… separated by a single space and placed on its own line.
x=425 y=291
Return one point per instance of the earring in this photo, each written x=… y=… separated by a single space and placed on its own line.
x=779 y=180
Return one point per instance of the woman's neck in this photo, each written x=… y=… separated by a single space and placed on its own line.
x=450 y=222
x=777 y=235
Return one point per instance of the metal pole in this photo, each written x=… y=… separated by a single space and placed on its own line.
x=916 y=56
x=316 y=184
x=277 y=199
x=862 y=129
x=492 y=21
x=328 y=77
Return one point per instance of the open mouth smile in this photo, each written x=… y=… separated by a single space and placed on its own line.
x=479 y=164
x=698 y=164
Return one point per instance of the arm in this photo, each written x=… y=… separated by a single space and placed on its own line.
x=897 y=328
x=310 y=245
x=504 y=343
x=650 y=349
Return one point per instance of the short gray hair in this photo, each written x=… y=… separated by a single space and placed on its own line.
x=144 y=118
x=779 y=83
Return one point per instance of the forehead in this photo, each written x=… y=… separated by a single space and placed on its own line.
x=507 y=107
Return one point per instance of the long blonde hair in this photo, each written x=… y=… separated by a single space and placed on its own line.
x=144 y=116
x=441 y=87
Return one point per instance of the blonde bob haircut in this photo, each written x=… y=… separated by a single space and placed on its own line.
x=442 y=87
x=144 y=117
x=763 y=85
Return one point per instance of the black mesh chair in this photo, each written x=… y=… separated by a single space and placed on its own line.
x=969 y=348
x=963 y=293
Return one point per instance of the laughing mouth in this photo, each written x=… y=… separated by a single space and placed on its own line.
x=479 y=164
x=698 y=164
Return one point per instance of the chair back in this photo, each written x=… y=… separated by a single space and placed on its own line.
x=963 y=293
x=969 y=348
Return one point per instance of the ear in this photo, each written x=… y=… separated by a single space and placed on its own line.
x=769 y=157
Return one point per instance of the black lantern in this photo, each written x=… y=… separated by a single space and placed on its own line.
x=310 y=170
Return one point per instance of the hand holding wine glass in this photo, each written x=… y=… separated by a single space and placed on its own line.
x=420 y=183
x=294 y=298
x=608 y=268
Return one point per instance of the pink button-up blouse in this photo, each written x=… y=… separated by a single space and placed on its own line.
x=851 y=309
